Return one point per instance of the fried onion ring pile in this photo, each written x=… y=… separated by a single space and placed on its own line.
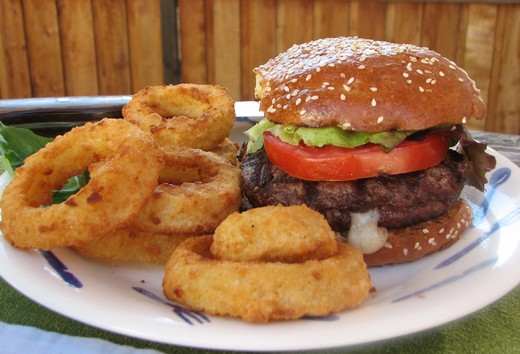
x=259 y=291
x=189 y=115
x=117 y=188
x=180 y=206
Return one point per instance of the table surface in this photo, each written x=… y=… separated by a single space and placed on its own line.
x=493 y=329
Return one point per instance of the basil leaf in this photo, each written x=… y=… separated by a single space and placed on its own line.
x=16 y=144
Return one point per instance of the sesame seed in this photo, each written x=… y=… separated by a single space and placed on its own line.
x=346 y=125
x=408 y=81
x=288 y=96
x=325 y=83
x=308 y=77
x=318 y=69
x=433 y=82
x=343 y=97
x=298 y=101
x=452 y=66
x=441 y=73
x=302 y=112
x=419 y=71
x=441 y=230
x=307 y=99
x=464 y=120
x=332 y=65
x=347 y=88
x=428 y=80
x=425 y=231
x=380 y=119
x=406 y=74
x=417 y=246
x=405 y=251
x=286 y=89
x=373 y=89
x=331 y=88
x=409 y=67
x=351 y=80
x=314 y=97
x=361 y=67
x=388 y=245
x=294 y=80
x=285 y=106
x=273 y=101
x=342 y=75
x=373 y=103
x=421 y=89
x=461 y=79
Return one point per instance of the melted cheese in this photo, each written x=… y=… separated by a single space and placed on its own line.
x=364 y=234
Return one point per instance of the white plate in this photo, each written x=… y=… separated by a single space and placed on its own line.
x=127 y=298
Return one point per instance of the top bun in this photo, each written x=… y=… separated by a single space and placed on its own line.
x=365 y=85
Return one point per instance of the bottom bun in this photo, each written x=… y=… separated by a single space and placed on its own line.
x=414 y=242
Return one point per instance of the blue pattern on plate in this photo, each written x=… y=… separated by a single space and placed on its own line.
x=449 y=280
x=61 y=269
x=185 y=314
x=498 y=177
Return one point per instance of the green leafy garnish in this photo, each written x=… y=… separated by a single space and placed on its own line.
x=16 y=144
x=320 y=137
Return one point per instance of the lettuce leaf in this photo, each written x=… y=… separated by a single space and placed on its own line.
x=480 y=161
x=16 y=144
x=319 y=137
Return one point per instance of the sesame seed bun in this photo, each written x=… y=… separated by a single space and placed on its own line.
x=411 y=243
x=365 y=85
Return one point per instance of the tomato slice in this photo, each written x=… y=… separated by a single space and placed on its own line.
x=333 y=163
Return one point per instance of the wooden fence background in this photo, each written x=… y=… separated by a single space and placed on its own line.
x=105 y=47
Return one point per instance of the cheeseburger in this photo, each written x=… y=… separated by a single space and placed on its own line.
x=371 y=134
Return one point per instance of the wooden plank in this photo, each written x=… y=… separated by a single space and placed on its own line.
x=331 y=18
x=226 y=45
x=258 y=38
x=447 y=36
x=43 y=42
x=375 y=28
x=4 y=84
x=78 y=47
x=192 y=30
x=404 y=22
x=170 y=41
x=479 y=49
x=294 y=23
x=145 y=40
x=15 y=79
x=503 y=100
x=112 y=53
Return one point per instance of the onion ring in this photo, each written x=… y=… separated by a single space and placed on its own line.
x=260 y=292
x=228 y=150
x=128 y=244
x=197 y=116
x=197 y=191
x=268 y=234
x=116 y=148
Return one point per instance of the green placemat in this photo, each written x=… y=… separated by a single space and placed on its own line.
x=494 y=329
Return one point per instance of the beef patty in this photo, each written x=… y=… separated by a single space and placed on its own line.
x=402 y=200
